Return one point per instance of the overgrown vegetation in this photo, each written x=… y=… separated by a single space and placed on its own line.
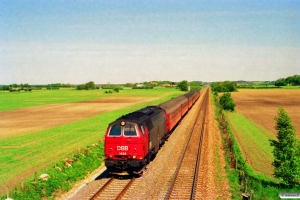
x=242 y=178
x=227 y=102
x=62 y=176
x=286 y=149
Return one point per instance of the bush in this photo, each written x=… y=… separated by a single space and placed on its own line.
x=226 y=102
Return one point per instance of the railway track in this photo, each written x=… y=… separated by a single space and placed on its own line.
x=159 y=180
x=184 y=181
x=113 y=189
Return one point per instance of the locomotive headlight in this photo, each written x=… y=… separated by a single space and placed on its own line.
x=110 y=156
x=134 y=157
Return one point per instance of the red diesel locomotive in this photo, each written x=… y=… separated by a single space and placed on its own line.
x=133 y=139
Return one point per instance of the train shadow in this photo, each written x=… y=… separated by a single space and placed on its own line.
x=106 y=175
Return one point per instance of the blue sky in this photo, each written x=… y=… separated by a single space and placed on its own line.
x=64 y=41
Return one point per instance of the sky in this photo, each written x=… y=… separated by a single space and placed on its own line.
x=131 y=41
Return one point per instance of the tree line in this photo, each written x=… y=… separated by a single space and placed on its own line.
x=27 y=87
x=291 y=80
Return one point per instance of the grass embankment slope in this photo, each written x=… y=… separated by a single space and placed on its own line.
x=254 y=142
x=23 y=153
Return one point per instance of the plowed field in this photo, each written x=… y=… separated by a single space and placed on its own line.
x=261 y=106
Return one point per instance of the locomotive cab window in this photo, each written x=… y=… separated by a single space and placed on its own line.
x=115 y=130
x=129 y=130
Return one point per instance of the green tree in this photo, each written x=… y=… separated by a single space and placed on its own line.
x=195 y=85
x=227 y=102
x=183 y=85
x=226 y=86
x=286 y=149
x=90 y=85
x=280 y=82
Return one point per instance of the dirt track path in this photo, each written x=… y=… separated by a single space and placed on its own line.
x=42 y=117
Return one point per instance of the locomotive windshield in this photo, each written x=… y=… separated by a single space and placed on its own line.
x=115 y=130
x=127 y=130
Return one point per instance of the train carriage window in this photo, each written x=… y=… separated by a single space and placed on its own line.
x=129 y=130
x=115 y=130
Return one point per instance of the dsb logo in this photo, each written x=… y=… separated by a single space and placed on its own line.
x=122 y=148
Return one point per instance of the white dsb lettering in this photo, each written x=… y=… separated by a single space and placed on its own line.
x=122 y=148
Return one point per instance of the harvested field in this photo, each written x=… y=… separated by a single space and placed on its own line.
x=261 y=106
x=42 y=117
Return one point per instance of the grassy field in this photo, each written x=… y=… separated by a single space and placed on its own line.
x=253 y=141
x=15 y=100
x=24 y=152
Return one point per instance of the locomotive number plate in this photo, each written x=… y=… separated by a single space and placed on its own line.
x=122 y=153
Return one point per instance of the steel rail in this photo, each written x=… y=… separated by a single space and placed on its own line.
x=168 y=194
x=199 y=153
x=125 y=189
x=101 y=189
x=119 y=196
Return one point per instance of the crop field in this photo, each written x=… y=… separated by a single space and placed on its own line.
x=253 y=123
x=261 y=106
x=38 y=128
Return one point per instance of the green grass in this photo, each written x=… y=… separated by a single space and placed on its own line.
x=23 y=152
x=15 y=100
x=291 y=87
x=253 y=141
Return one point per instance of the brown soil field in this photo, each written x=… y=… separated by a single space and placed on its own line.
x=42 y=117
x=262 y=105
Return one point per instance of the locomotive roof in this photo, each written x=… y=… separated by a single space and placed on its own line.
x=141 y=115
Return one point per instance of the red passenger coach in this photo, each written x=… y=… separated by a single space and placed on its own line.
x=174 y=110
x=192 y=97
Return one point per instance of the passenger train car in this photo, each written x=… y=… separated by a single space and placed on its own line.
x=132 y=140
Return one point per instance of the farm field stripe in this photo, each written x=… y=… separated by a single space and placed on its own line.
x=254 y=142
x=12 y=101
